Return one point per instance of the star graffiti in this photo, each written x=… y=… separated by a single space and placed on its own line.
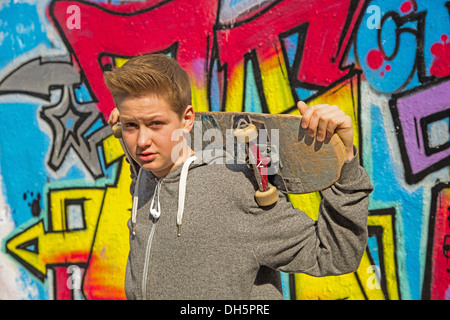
x=73 y=127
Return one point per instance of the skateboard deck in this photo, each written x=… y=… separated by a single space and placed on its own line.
x=281 y=153
x=298 y=163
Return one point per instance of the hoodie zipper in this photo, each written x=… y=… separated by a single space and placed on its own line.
x=147 y=256
x=149 y=243
x=155 y=217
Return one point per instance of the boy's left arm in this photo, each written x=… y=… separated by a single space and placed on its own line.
x=344 y=208
x=333 y=244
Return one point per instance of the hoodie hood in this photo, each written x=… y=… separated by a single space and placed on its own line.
x=180 y=174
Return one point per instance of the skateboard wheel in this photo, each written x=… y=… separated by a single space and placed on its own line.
x=268 y=197
x=248 y=132
x=117 y=130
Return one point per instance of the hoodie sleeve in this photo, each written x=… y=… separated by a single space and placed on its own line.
x=334 y=244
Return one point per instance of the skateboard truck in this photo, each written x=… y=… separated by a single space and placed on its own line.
x=267 y=194
x=117 y=130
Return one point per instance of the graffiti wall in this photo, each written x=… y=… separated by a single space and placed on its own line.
x=64 y=198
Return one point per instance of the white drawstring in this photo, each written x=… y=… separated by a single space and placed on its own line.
x=157 y=212
x=182 y=192
x=135 y=203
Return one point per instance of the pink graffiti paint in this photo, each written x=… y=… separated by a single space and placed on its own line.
x=406 y=7
x=375 y=59
x=62 y=291
x=386 y=68
x=64 y=284
x=151 y=26
x=440 y=280
x=440 y=66
x=135 y=28
x=322 y=53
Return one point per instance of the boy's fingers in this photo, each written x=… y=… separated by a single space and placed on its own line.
x=302 y=107
x=325 y=120
x=113 y=117
x=306 y=112
x=322 y=129
x=320 y=122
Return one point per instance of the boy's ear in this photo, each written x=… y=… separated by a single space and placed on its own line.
x=188 y=119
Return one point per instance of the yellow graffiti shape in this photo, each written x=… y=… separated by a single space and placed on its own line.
x=353 y=286
x=275 y=82
x=71 y=224
x=105 y=276
x=82 y=226
x=235 y=89
x=370 y=281
x=385 y=222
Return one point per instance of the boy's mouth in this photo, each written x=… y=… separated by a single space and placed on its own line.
x=147 y=156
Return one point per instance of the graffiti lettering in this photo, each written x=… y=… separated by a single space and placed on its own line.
x=384 y=62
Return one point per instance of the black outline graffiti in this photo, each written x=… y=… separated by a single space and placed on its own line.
x=56 y=74
x=48 y=228
x=301 y=30
x=252 y=58
x=400 y=21
x=410 y=177
x=425 y=122
x=377 y=231
x=63 y=77
x=84 y=116
x=293 y=70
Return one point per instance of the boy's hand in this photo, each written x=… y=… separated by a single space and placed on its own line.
x=324 y=120
x=113 y=117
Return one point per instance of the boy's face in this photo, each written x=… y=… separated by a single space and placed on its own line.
x=147 y=126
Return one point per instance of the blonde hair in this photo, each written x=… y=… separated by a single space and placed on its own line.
x=151 y=74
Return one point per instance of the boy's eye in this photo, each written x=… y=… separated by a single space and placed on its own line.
x=129 y=125
x=156 y=124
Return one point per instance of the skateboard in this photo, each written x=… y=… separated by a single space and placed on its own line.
x=280 y=152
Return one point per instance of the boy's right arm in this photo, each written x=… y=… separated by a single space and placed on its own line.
x=112 y=120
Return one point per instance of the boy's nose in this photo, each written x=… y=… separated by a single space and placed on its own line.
x=144 y=139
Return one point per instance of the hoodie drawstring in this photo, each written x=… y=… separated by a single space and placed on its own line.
x=135 y=203
x=182 y=192
x=157 y=212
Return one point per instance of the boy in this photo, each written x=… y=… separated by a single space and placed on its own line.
x=196 y=231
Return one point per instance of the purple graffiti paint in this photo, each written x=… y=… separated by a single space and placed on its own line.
x=415 y=111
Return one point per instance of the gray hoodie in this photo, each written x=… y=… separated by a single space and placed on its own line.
x=227 y=246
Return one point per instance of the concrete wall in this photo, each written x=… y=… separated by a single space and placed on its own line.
x=64 y=198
